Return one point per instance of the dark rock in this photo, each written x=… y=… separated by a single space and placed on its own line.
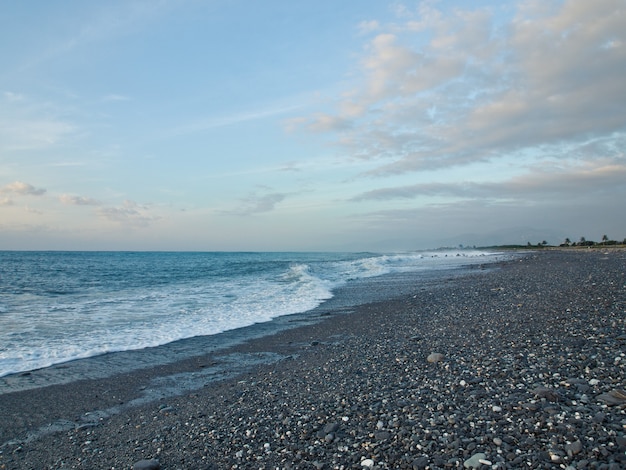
x=574 y=448
x=331 y=427
x=382 y=435
x=420 y=463
x=152 y=464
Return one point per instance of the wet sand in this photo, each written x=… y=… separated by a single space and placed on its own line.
x=530 y=375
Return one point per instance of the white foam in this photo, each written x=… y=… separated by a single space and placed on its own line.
x=46 y=331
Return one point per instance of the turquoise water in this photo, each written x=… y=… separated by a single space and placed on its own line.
x=60 y=306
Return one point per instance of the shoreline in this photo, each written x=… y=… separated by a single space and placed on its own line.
x=345 y=298
x=361 y=379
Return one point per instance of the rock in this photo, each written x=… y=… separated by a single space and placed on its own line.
x=152 y=464
x=420 y=463
x=497 y=441
x=547 y=393
x=574 y=448
x=435 y=357
x=382 y=435
x=599 y=417
x=474 y=461
x=331 y=427
x=614 y=397
x=367 y=463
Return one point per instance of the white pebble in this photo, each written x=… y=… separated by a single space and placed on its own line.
x=463 y=383
x=496 y=408
x=593 y=382
x=367 y=463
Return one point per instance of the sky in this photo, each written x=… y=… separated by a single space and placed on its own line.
x=312 y=125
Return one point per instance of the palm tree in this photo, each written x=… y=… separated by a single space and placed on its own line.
x=568 y=242
x=605 y=239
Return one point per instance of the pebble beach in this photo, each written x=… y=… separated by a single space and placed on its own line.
x=517 y=365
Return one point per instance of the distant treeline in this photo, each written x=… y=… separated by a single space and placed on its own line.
x=584 y=242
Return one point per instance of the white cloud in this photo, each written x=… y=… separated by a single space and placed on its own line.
x=446 y=88
x=10 y=96
x=73 y=200
x=128 y=214
x=21 y=188
x=366 y=27
x=558 y=184
x=258 y=203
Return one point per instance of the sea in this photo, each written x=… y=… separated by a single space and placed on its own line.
x=61 y=306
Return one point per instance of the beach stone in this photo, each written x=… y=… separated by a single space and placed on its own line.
x=152 y=464
x=574 y=448
x=599 y=417
x=474 y=461
x=420 y=463
x=547 y=393
x=614 y=397
x=331 y=427
x=367 y=463
x=435 y=357
x=382 y=435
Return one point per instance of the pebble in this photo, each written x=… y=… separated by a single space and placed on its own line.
x=435 y=357
x=367 y=463
x=420 y=463
x=475 y=461
x=574 y=448
x=152 y=464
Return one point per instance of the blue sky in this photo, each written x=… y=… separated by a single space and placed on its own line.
x=310 y=125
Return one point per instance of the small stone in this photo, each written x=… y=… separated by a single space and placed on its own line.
x=382 y=435
x=599 y=417
x=435 y=357
x=420 y=463
x=497 y=441
x=614 y=397
x=574 y=448
x=547 y=393
x=152 y=464
x=496 y=408
x=331 y=427
x=367 y=463
x=474 y=461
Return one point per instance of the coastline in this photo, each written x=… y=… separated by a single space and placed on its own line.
x=349 y=382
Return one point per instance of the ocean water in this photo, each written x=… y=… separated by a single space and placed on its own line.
x=60 y=306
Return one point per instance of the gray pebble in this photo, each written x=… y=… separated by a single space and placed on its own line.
x=152 y=464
